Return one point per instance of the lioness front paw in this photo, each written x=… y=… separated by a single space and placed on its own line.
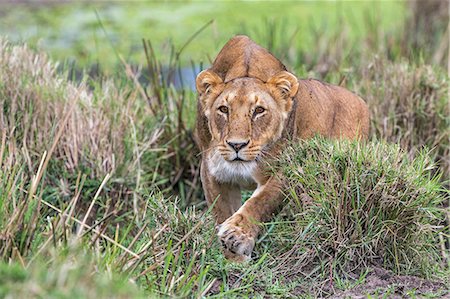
x=237 y=241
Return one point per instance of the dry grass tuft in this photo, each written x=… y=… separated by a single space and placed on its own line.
x=409 y=106
x=59 y=140
x=34 y=98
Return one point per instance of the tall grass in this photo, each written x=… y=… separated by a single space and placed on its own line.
x=59 y=141
x=176 y=109
x=409 y=105
x=80 y=169
x=35 y=100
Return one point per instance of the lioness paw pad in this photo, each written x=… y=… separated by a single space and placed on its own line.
x=236 y=244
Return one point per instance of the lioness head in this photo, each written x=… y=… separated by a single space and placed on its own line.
x=245 y=115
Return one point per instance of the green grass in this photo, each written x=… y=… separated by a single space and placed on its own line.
x=73 y=31
x=364 y=203
x=99 y=180
x=73 y=274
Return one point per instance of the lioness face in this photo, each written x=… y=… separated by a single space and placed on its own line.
x=245 y=115
x=244 y=119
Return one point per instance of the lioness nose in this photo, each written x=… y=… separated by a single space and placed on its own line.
x=237 y=146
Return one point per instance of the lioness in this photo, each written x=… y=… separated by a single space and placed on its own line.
x=248 y=107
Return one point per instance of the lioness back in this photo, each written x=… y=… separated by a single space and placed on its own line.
x=330 y=110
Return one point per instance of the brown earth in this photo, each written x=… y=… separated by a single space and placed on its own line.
x=381 y=283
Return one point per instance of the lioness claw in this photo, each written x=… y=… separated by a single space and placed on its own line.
x=236 y=244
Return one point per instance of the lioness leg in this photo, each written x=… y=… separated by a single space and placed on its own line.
x=225 y=197
x=239 y=232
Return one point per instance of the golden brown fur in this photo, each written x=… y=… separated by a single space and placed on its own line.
x=248 y=107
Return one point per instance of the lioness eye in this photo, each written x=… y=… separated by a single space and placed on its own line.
x=223 y=109
x=259 y=110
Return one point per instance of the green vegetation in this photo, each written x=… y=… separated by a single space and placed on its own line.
x=358 y=203
x=78 y=31
x=100 y=193
x=71 y=276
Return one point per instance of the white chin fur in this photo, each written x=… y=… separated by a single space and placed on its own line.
x=230 y=172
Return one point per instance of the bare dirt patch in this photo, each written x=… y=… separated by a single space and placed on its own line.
x=382 y=283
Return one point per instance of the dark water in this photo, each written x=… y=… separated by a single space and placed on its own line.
x=180 y=78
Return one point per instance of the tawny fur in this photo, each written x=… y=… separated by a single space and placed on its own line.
x=248 y=98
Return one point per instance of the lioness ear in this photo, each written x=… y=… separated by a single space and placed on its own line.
x=206 y=81
x=285 y=84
